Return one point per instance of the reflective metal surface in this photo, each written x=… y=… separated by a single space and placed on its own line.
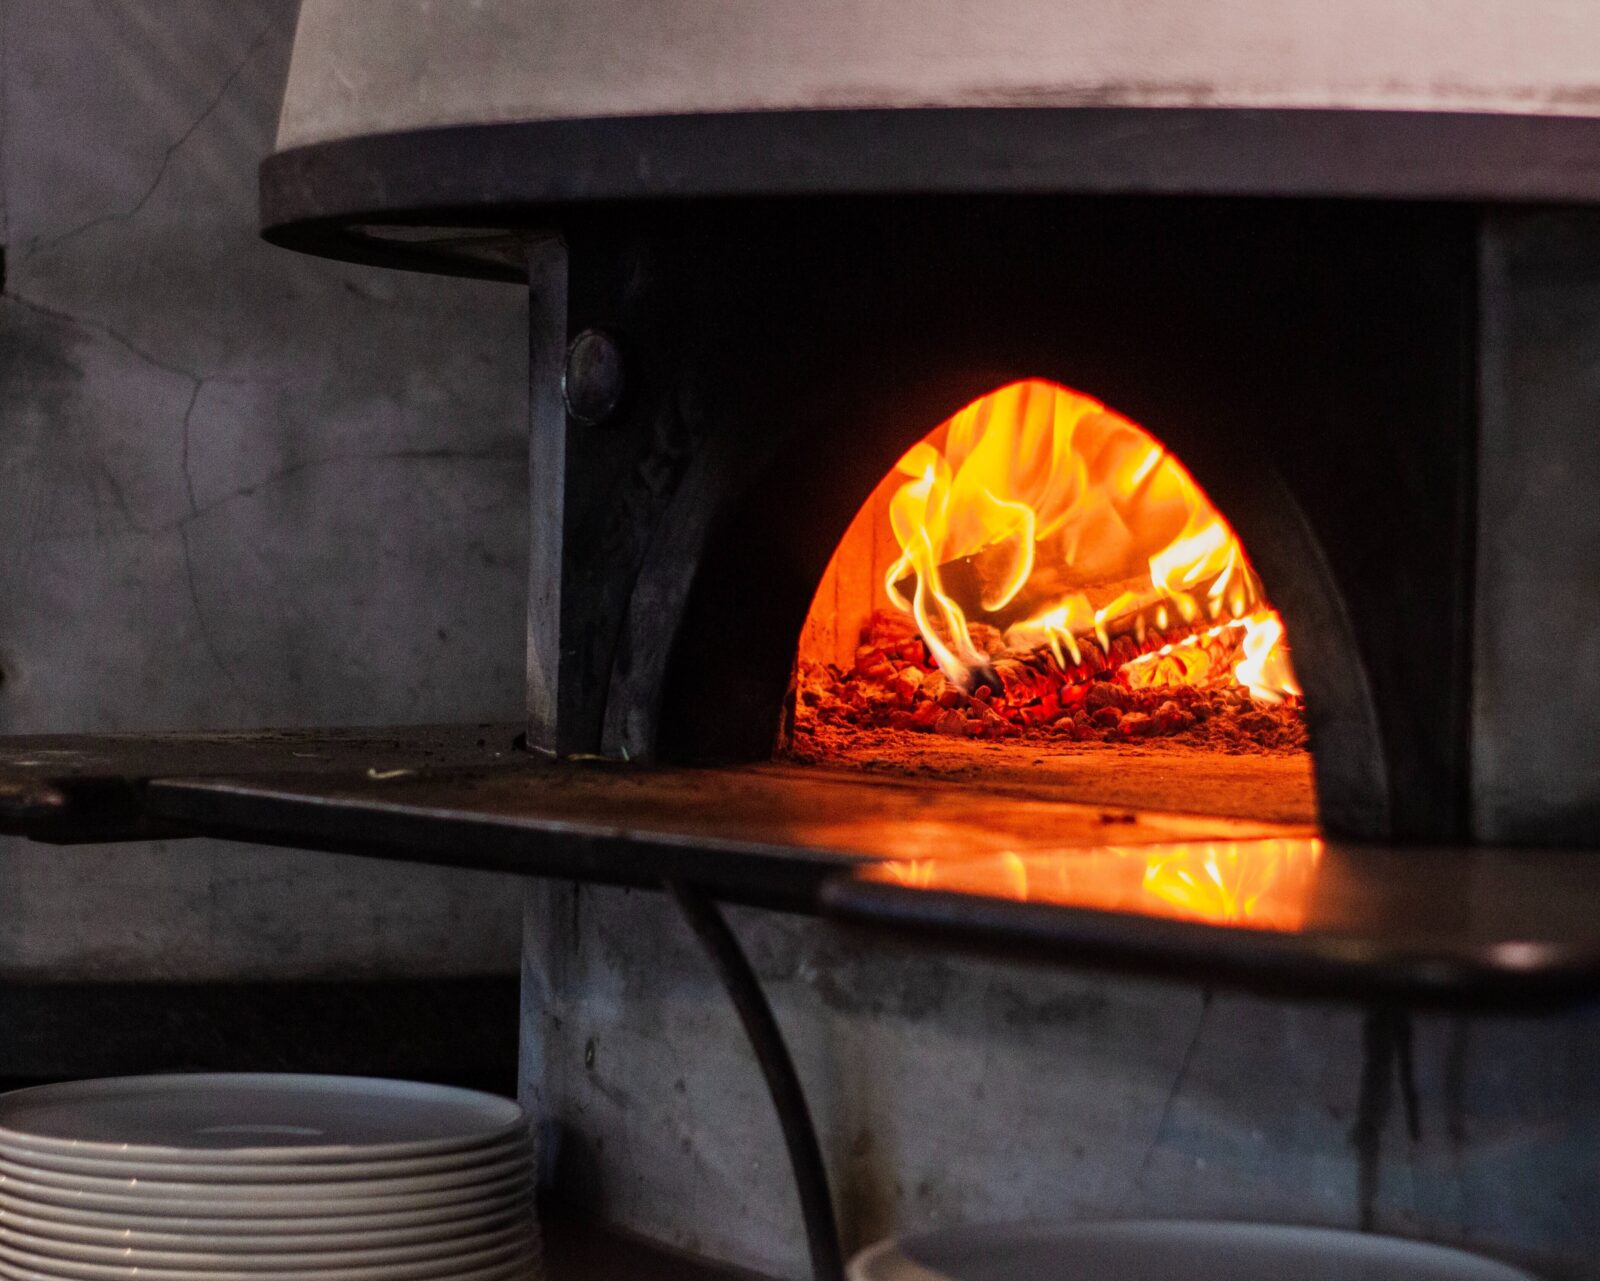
x=1296 y=916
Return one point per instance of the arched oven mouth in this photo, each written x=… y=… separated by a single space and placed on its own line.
x=1036 y=579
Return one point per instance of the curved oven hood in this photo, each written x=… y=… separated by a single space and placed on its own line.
x=446 y=116
x=378 y=66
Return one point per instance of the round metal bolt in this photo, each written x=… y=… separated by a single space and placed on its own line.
x=592 y=385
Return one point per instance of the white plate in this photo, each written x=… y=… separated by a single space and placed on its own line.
x=253 y=1116
x=293 y=1185
x=209 y=1260
x=517 y=1268
x=123 y=1237
x=432 y=1215
x=479 y=1196
x=427 y=1270
x=1167 y=1251
x=279 y=1172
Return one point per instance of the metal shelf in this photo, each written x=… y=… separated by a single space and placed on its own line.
x=78 y=788
x=935 y=860
x=1508 y=929
x=766 y=835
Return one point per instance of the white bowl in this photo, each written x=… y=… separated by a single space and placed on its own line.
x=1155 y=1250
x=228 y=1259
x=427 y=1270
x=255 y=1117
x=120 y=1238
x=129 y=1167
x=294 y=1184
x=384 y=1222
x=478 y=1197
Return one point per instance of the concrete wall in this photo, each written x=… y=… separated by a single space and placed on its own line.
x=950 y=1090
x=237 y=487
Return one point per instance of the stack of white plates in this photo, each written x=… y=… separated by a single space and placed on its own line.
x=260 y=1177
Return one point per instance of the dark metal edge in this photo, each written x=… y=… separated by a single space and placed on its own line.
x=88 y=811
x=519 y=174
x=1305 y=966
x=779 y=878
x=73 y=789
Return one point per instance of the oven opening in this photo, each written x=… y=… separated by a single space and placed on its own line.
x=1037 y=586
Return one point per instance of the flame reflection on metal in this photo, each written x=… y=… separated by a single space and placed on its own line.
x=1254 y=884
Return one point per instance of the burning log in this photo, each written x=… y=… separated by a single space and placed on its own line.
x=1127 y=634
x=1119 y=696
x=965 y=581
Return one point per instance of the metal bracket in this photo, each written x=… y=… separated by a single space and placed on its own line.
x=766 y=1039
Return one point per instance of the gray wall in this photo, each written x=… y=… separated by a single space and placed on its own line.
x=237 y=487
x=951 y=1090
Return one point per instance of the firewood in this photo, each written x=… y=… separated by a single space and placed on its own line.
x=1135 y=725
x=964 y=580
x=1101 y=697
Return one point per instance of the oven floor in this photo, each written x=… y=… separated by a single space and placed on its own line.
x=1273 y=787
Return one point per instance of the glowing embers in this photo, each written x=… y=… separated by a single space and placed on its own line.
x=1264 y=884
x=1039 y=566
x=1058 y=524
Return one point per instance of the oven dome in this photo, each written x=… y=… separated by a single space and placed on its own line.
x=363 y=67
x=436 y=136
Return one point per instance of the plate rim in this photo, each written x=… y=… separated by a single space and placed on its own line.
x=512 y=1269
x=378 y=1272
x=286 y=1189
x=282 y=1208
x=256 y=1243
x=378 y=1221
x=515 y=1116
x=329 y=1171
x=206 y=1261
x=993 y=1234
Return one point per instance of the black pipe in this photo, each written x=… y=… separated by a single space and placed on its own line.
x=799 y=1135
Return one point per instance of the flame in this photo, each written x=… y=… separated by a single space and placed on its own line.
x=1252 y=884
x=1265 y=666
x=1068 y=523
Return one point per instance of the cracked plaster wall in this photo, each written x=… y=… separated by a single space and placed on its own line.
x=237 y=487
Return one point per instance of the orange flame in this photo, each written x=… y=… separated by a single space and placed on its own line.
x=1071 y=521
x=1253 y=884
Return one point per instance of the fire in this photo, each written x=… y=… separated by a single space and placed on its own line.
x=1255 y=884
x=1055 y=523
